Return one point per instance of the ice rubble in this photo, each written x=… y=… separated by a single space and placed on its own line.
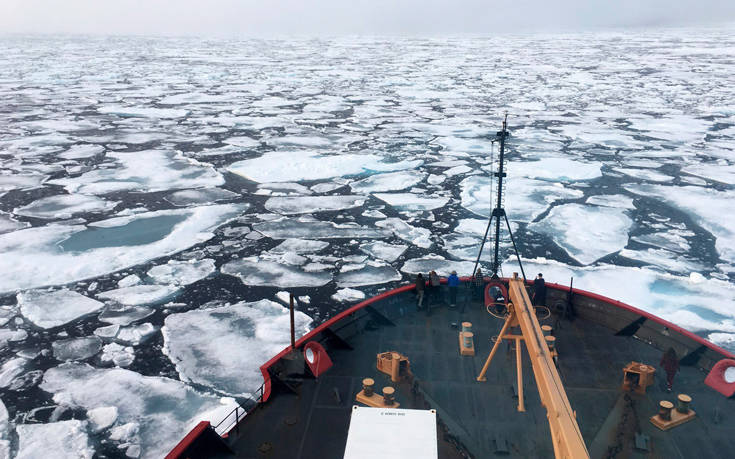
x=135 y=334
x=706 y=205
x=308 y=204
x=603 y=230
x=76 y=348
x=420 y=237
x=121 y=356
x=54 y=309
x=294 y=166
x=254 y=271
x=64 y=439
x=139 y=295
x=288 y=228
x=164 y=409
x=146 y=171
x=371 y=274
x=223 y=347
x=59 y=254
x=300 y=246
x=182 y=272
x=348 y=295
x=201 y=196
x=384 y=251
x=65 y=206
x=393 y=181
x=411 y=201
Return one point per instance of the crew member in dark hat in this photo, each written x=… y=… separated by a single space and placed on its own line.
x=539 y=291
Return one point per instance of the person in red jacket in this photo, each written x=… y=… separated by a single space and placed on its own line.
x=670 y=363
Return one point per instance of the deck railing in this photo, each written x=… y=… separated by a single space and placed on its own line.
x=233 y=418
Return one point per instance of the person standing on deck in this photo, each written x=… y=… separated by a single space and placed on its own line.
x=670 y=363
x=420 y=286
x=453 y=283
x=479 y=284
x=435 y=283
x=539 y=291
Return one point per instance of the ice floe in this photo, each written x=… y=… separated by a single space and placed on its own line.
x=295 y=166
x=644 y=174
x=76 y=348
x=65 y=206
x=182 y=272
x=136 y=334
x=288 y=228
x=201 y=196
x=300 y=246
x=384 y=251
x=58 y=254
x=139 y=295
x=9 y=224
x=370 y=274
x=254 y=271
x=12 y=369
x=121 y=356
x=420 y=237
x=612 y=200
x=723 y=173
x=64 y=438
x=348 y=295
x=586 y=233
x=393 y=181
x=12 y=182
x=441 y=265
x=54 y=309
x=559 y=169
x=82 y=152
x=121 y=315
x=142 y=112
x=146 y=171
x=308 y=204
x=164 y=409
x=410 y=201
x=101 y=418
x=223 y=347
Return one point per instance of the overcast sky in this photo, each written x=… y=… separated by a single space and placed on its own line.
x=332 y=17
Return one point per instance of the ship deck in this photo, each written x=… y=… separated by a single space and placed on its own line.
x=309 y=418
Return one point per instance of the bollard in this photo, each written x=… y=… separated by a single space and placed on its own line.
x=467 y=337
x=367 y=386
x=550 y=341
x=664 y=410
x=466 y=326
x=546 y=329
x=683 y=403
x=388 y=395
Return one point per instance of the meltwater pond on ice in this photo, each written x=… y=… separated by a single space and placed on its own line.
x=59 y=254
x=223 y=347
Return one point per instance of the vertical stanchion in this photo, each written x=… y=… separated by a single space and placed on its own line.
x=293 y=333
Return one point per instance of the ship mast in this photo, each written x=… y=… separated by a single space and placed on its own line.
x=499 y=211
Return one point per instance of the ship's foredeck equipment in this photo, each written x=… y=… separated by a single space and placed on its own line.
x=565 y=434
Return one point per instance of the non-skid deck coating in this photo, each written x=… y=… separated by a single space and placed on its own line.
x=483 y=416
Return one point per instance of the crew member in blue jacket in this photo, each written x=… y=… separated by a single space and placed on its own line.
x=453 y=283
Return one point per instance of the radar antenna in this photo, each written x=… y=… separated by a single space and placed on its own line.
x=499 y=211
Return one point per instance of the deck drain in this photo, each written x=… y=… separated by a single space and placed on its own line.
x=290 y=420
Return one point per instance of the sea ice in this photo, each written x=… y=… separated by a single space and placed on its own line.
x=142 y=112
x=410 y=201
x=164 y=408
x=242 y=141
x=65 y=206
x=370 y=274
x=644 y=174
x=9 y=224
x=145 y=171
x=420 y=237
x=129 y=281
x=135 y=334
x=59 y=254
x=295 y=166
x=611 y=200
x=54 y=309
x=201 y=196
x=299 y=246
x=712 y=171
x=605 y=230
x=560 y=169
x=139 y=295
x=384 y=251
x=121 y=315
x=20 y=181
x=663 y=259
x=309 y=204
x=348 y=295
x=76 y=348
x=11 y=369
x=392 y=181
x=268 y=273
x=287 y=228
x=182 y=272
x=223 y=347
x=441 y=265
x=64 y=439
x=82 y=152
x=119 y=355
x=102 y=417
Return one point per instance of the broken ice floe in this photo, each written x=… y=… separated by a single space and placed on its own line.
x=269 y=273
x=201 y=196
x=348 y=295
x=101 y=418
x=612 y=200
x=121 y=315
x=82 y=152
x=54 y=309
x=586 y=233
x=393 y=181
x=223 y=347
x=12 y=182
x=58 y=254
x=288 y=228
x=441 y=265
x=9 y=224
x=300 y=246
x=295 y=166
x=139 y=295
x=309 y=204
x=410 y=201
x=182 y=272
x=146 y=171
x=65 y=206
x=420 y=237
x=63 y=438
x=76 y=348
x=370 y=274
x=559 y=169
x=164 y=409
x=120 y=356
